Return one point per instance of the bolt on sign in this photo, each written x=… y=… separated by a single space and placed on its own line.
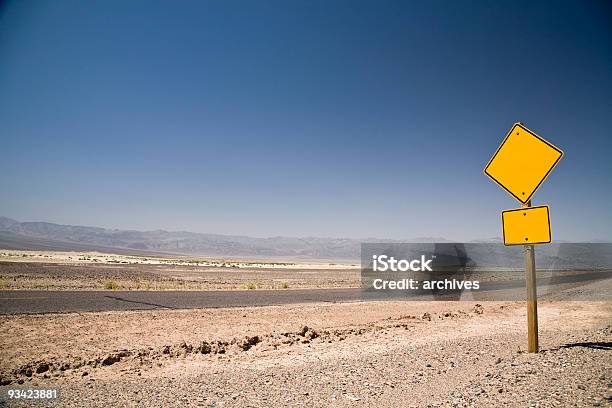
x=526 y=226
x=522 y=162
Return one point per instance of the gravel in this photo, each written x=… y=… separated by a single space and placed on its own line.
x=383 y=354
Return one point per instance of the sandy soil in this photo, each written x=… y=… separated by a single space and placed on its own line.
x=97 y=276
x=355 y=354
x=9 y=255
x=55 y=270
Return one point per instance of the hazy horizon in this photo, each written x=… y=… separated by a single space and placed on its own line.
x=364 y=238
x=209 y=232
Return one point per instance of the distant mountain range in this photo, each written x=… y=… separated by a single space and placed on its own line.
x=49 y=236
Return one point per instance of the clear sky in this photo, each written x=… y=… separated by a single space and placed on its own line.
x=319 y=118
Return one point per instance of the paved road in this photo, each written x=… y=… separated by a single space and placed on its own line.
x=42 y=301
x=28 y=301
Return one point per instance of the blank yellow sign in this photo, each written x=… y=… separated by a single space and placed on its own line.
x=526 y=226
x=522 y=162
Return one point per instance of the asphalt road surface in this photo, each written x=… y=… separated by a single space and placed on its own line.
x=42 y=301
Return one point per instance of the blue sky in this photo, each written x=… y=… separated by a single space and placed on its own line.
x=325 y=118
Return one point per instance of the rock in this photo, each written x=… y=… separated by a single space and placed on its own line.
x=187 y=348
x=110 y=359
x=166 y=350
x=218 y=348
x=204 y=348
x=426 y=316
x=27 y=371
x=42 y=367
x=311 y=334
x=478 y=309
x=248 y=342
x=84 y=374
x=498 y=360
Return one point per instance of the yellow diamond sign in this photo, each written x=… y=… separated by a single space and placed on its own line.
x=526 y=226
x=522 y=162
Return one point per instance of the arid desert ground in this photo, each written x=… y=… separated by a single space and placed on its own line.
x=99 y=271
x=382 y=353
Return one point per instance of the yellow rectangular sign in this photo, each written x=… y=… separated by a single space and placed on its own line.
x=522 y=162
x=526 y=226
